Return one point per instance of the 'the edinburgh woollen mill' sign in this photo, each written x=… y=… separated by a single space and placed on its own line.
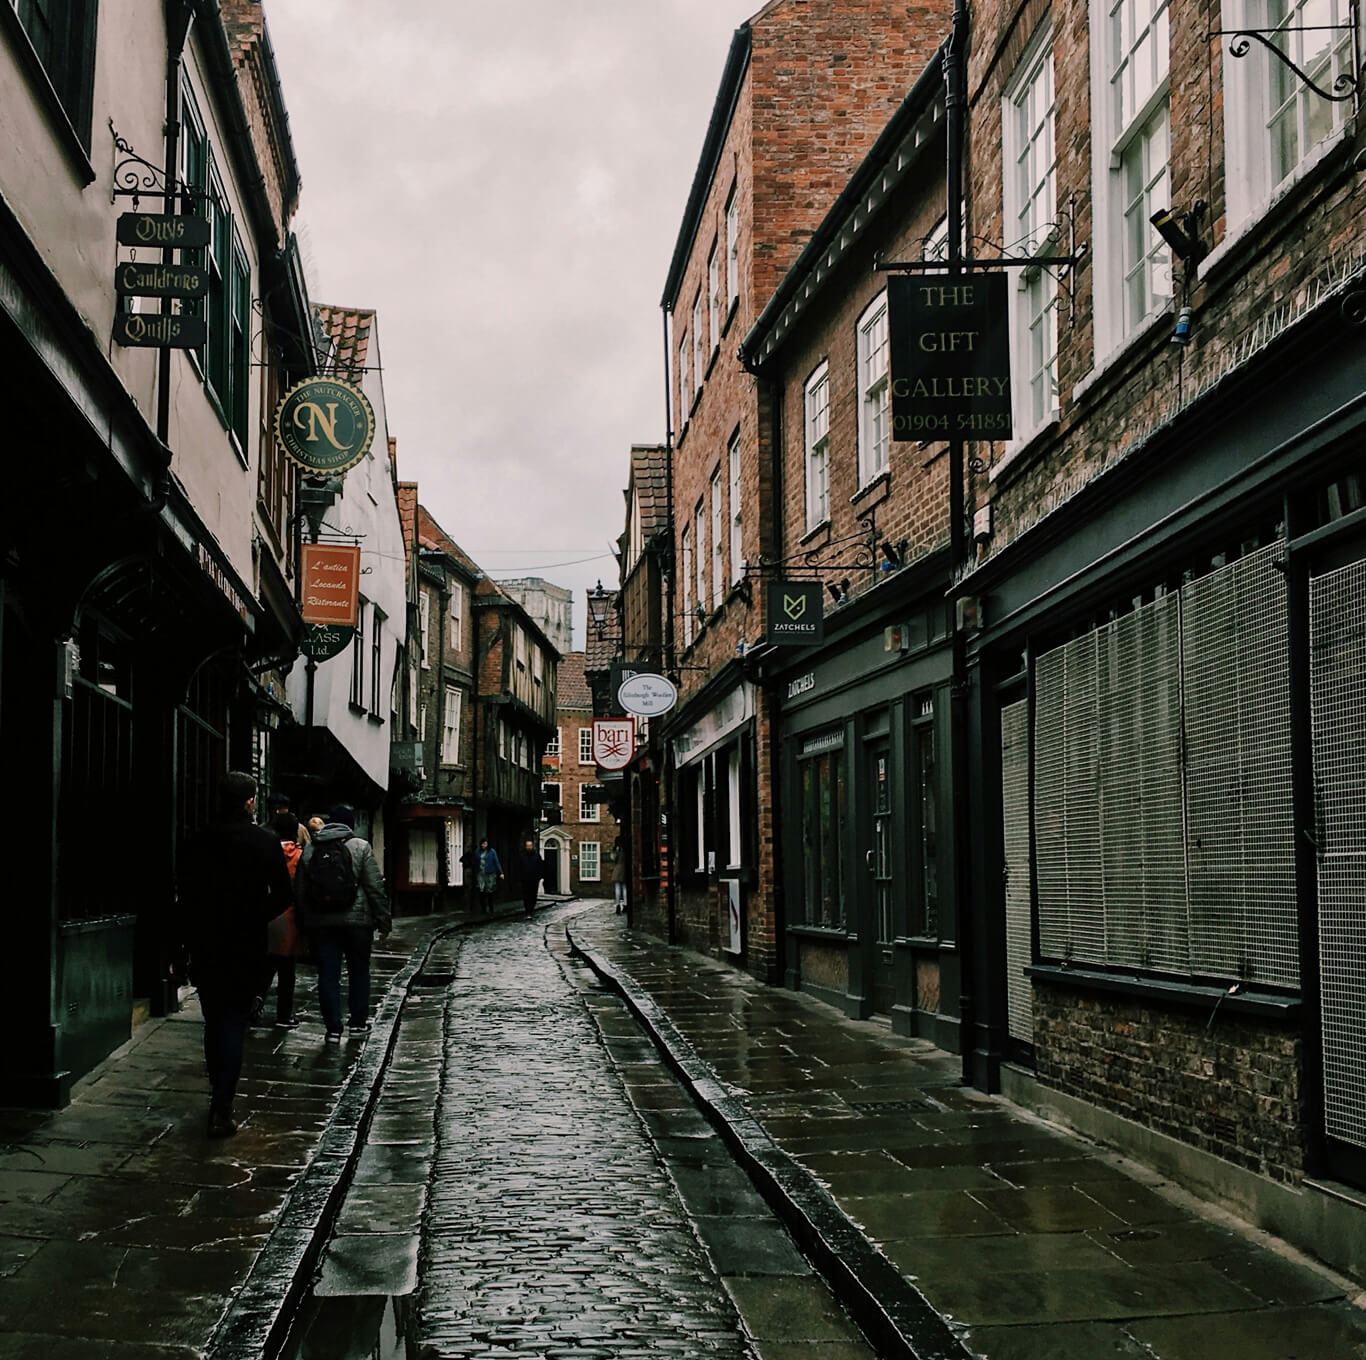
x=949 y=356
x=325 y=425
x=330 y=583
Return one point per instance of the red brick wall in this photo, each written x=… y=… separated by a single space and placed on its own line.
x=570 y=776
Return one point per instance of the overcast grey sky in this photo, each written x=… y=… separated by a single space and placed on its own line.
x=503 y=183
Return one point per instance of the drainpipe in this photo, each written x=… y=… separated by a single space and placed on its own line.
x=666 y=770
x=955 y=101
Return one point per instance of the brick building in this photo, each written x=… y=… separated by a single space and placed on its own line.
x=580 y=850
x=863 y=762
x=435 y=792
x=1166 y=685
x=805 y=92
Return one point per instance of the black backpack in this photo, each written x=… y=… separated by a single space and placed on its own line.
x=331 y=877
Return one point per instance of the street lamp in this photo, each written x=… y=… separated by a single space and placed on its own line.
x=599 y=608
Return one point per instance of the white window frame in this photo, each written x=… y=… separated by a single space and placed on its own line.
x=450 y=729
x=816 y=423
x=732 y=246
x=588 y=812
x=685 y=582
x=700 y=534
x=455 y=851
x=684 y=391
x=429 y=872
x=697 y=340
x=718 y=541
x=424 y=624
x=519 y=646
x=714 y=297
x=874 y=392
x=1028 y=119
x=457 y=615
x=737 y=552
x=1252 y=179
x=552 y=747
x=1130 y=74
x=595 y=857
x=586 y=746
x=502 y=739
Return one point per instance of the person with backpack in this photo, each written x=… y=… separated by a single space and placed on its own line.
x=342 y=903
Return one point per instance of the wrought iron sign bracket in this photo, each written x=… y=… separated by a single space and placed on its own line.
x=1062 y=267
x=135 y=176
x=865 y=550
x=1345 y=86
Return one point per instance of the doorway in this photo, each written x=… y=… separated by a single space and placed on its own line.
x=878 y=859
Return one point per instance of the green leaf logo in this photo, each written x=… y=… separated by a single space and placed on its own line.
x=794 y=606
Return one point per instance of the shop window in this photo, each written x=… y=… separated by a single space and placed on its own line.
x=455 y=852
x=926 y=849
x=422 y=866
x=1163 y=829
x=824 y=827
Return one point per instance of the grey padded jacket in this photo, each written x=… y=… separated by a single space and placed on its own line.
x=371 y=907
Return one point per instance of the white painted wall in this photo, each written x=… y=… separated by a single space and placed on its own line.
x=367 y=509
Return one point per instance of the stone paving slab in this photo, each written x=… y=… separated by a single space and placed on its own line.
x=1031 y=1243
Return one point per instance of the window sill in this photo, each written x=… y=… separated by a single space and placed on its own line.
x=696 y=401
x=375 y=719
x=1330 y=149
x=831 y=933
x=1125 y=351
x=357 y=709
x=817 y=531
x=730 y=313
x=1196 y=996
x=1021 y=452
x=711 y=363
x=881 y=483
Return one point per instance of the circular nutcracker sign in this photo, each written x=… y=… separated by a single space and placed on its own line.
x=325 y=425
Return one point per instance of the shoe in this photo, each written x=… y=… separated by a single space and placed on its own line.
x=333 y=1036
x=363 y=1027
x=258 y=1009
x=287 y=1022
x=221 y=1125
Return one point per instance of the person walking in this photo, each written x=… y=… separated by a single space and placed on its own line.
x=233 y=880
x=531 y=870
x=488 y=870
x=284 y=940
x=342 y=903
x=619 y=877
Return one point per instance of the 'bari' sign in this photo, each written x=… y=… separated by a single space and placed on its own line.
x=614 y=742
x=325 y=425
x=949 y=356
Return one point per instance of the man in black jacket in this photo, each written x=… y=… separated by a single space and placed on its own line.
x=531 y=870
x=233 y=880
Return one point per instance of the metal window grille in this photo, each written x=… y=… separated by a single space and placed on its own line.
x=1337 y=608
x=1162 y=784
x=1015 y=817
x=1236 y=679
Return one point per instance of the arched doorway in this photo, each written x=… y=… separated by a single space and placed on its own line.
x=555 y=852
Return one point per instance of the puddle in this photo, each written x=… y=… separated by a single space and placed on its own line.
x=353 y=1327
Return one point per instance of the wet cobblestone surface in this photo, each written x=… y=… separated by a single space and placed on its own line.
x=552 y=1227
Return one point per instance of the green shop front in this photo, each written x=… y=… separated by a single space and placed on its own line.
x=866 y=808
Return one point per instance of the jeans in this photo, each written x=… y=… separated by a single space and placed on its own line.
x=330 y=945
x=225 y=1034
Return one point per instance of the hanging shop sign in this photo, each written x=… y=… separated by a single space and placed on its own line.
x=160 y=330
x=614 y=742
x=325 y=425
x=329 y=590
x=949 y=356
x=136 y=278
x=169 y=230
x=323 y=641
x=647 y=695
x=795 y=613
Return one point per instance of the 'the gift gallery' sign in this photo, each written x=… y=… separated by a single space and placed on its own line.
x=949 y=357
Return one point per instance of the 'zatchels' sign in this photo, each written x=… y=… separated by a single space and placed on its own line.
x=796 y=613
x=325 y=426
x=949 y=356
